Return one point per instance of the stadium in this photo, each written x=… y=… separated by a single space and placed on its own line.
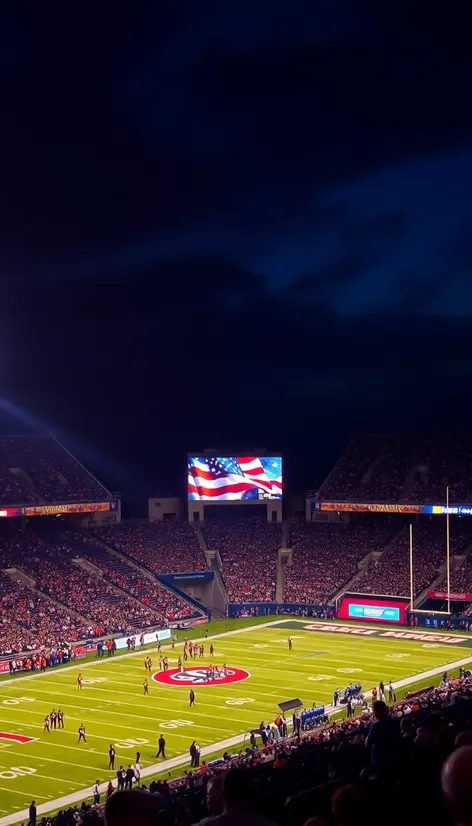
x=286 y=630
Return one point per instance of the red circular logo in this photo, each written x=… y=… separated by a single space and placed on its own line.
x=199 y=676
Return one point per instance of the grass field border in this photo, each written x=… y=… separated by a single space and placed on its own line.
x=210 y=750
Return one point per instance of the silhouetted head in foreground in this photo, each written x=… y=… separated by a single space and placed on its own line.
x=237 y=791
x=135 y=806
x=456 y=785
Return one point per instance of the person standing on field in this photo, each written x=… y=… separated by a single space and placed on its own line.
x=129 y=777
x=193 y=755
x=82 y=733
x=192 y=697
x=96 y=793
x=111 y=755
x=290 y=644
x=32 y=814
x=137 y=772
x=162 y=747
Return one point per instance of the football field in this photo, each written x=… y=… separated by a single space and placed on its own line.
x=56 y=770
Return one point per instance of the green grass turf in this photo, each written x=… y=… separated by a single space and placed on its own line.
x=114 y=710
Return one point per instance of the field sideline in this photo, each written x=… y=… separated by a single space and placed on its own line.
x=113 y=709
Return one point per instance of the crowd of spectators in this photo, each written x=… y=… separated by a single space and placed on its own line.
x=414 y=758
x=248 y=551
x=37 y=469
x=92 y=601
x=413 y=469
x=130 y=578
x=461 y=580
x=29 y=620
x=93 y=597
x=387 y=479
x=164 y=547
x=326 y=556
x=344 y=480
x=446 y=460
x=391 y=573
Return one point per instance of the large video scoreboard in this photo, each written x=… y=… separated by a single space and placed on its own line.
x=234 y=478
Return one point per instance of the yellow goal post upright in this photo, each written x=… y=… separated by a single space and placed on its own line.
x=448 y=568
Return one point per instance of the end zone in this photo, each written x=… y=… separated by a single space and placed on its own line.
x=363 y=631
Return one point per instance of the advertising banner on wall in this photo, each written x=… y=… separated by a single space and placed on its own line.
x=457 y=597
x=151 y=636
x=385 y=507
x=194 y=576
x=373 y=609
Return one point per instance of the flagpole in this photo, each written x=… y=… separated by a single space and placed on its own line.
x=448 y=553
x=411 y=568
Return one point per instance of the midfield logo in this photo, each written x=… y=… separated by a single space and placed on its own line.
x=198 y=676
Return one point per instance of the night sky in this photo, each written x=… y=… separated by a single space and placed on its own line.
x=234 y=223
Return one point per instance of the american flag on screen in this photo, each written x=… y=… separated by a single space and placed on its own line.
x=241 y=477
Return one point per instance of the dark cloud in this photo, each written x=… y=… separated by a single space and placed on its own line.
x=233 y=118
x=457 y=253
x=231 y=220
x=329 y=279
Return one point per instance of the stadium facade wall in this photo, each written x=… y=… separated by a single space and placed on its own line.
x=240 y=608
x=184 y=595
x=196 y=509
x=163 y=508
x=433 y=620
x=98 y=519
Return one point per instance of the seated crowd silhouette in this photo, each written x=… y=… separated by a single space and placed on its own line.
x=37 y=469
x=70 y=602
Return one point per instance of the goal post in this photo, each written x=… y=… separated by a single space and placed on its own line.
x=448 y=568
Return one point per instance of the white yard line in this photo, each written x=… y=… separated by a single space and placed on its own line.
x=25 y=794
x=167 y=765
x=51 y=760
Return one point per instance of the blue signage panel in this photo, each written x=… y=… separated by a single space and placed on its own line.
x=200 y=576
x=390 y=613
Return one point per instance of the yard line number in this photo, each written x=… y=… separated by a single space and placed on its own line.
x=90 y=680
x=14 y=701
x=15 y=771
x=177 y=723
x=396 y=656
x=319 y=677
x=130 y=743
